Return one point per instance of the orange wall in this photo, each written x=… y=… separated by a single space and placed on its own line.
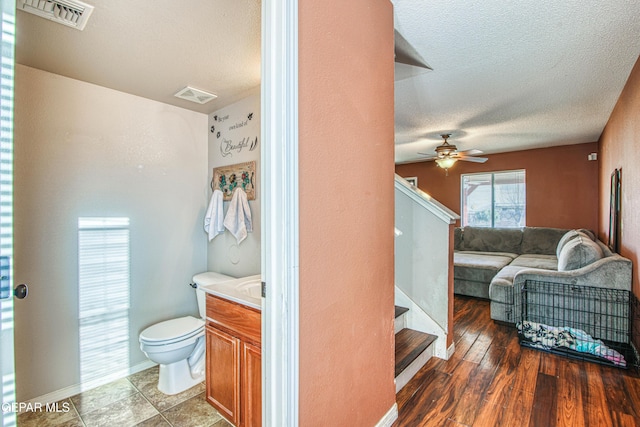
x=346 y=212
x=619 y=149
x=562 y=185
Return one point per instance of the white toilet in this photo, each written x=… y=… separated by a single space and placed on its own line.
x=178 y=345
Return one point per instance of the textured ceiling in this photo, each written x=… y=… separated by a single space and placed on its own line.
x=511 y=75
x=153 y=48
x=506 y=75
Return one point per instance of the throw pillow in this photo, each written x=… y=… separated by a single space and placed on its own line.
x=578 y=252
x=589 y=233
x=569 y=235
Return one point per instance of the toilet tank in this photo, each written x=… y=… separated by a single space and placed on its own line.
x=205 y=279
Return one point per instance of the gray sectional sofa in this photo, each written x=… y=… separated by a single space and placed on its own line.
x=494 y=263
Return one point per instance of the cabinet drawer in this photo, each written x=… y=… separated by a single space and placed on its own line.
x=242 y=320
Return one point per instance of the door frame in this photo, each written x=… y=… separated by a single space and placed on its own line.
x=7 y=365
x=280 y=230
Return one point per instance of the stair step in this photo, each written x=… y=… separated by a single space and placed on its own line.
x=400 y=322
x=400 y=311
x=409 y=345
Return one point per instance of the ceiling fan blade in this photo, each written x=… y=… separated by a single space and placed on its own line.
x=471 y=152
x=473 y=159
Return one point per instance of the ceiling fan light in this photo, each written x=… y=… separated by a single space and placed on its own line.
x=446 y=162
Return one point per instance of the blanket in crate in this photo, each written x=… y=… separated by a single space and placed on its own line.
x=553 y=337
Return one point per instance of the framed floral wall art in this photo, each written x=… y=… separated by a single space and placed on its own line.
x=228 y=178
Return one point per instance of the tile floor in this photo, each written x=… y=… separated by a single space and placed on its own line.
x=131 y=401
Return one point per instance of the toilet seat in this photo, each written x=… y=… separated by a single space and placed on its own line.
x=171 y=331
x=167 y=347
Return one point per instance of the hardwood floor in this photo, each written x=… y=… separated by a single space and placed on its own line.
x=491 y=381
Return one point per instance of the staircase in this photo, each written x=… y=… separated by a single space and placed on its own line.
x=413 y=349
x=423 y=278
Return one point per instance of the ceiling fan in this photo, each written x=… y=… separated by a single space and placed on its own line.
x=447 y=154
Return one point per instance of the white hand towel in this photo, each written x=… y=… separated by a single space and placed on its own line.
x=213 y=219
x=238 y=217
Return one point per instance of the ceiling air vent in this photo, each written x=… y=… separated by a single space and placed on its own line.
x=195 y=95
x=70 y=13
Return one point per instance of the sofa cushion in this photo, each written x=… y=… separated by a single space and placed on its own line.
x=545 y=262
x=541 y=240
x=479 y=267
x=501 y=287
x=569 y=235
x=470 y=288
x=578 y=252
x=457 y=238
x=505 y=254
x=491 y=239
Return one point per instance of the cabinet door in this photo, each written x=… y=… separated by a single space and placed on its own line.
x=223 y=373
x=251 y=386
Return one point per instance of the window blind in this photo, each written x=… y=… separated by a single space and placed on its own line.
x=104 y=295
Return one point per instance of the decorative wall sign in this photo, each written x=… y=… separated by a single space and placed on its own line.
x=228 y=178
x=235 y=134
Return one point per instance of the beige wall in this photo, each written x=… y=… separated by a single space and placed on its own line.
x=619 y=150
x=346 y=212
x=84 y=150
x=224 y=254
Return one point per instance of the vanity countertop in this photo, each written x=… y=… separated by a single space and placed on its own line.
x=244 y=290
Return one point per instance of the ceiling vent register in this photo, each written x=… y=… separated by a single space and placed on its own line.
x=70 y=13
x=195 y=95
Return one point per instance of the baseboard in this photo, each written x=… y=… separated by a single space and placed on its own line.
x=67 y=392
x=389 y=418
x=451 y=350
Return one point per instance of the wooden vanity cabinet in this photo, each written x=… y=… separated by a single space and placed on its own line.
x=234 y=361
x=252 y=385
x=223 y=373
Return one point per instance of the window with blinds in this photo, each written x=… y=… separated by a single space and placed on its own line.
x=104 y=287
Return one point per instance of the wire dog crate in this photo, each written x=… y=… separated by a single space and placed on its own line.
x=582 y=322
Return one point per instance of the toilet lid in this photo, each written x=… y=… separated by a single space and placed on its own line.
x=172 y=329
